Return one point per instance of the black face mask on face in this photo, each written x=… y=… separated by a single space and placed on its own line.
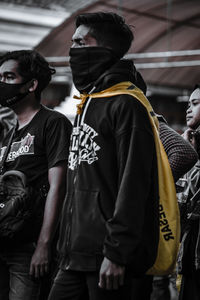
x=88 y=64
x=10 y=93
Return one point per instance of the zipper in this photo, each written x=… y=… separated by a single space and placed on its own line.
x=69 y=222
x=78 y=125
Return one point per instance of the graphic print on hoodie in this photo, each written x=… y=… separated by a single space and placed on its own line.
x=83 y=146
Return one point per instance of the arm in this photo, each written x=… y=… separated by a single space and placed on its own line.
x=182 y=156
x=57 y=180
x=136 y=162
x=125 y=229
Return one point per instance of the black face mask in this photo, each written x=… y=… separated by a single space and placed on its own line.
x=88 y=64
x=10 y=93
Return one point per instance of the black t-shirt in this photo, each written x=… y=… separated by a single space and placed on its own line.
x=39 y=145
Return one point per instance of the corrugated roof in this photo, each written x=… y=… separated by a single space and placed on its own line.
x=23 y=23
x=66 y=5
x=159 y=26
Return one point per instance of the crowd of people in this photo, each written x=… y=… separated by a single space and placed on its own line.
x=99 y=233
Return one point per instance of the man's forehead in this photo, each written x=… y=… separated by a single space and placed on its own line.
x=9 y=65
x=195 y=95
x=81 y=32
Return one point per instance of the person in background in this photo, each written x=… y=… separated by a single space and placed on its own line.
x=182 y=157
x=109 y=219
x=45 y=135
x=189 y=254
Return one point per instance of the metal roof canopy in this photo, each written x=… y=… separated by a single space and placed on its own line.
x=23 y=23
x=166 y=45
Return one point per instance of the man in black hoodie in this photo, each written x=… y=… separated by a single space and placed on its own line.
x=109 y=227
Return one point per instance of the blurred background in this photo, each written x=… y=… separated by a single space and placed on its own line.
x=166 y=49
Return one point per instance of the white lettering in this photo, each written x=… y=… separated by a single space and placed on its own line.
x=82 y=142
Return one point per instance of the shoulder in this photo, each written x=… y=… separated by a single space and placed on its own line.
x=127 y=101
x=128 y=106
x=51 y=115
x=128 y=113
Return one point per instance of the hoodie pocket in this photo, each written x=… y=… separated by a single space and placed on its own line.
x=88 y=225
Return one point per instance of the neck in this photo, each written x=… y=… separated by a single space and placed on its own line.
x=25 y=117
x=25 y=111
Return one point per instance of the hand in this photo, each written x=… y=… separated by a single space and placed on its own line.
x=111 y=275
x=40 y=261
x=189 y=135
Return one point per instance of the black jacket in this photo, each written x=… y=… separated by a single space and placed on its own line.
x=111 y=208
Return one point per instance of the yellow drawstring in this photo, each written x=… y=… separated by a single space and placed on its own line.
x=83 y=98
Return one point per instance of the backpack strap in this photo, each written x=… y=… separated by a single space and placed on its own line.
x=15 y=173
x=2 y=163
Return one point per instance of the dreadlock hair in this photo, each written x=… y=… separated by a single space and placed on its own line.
x=31 y=65
x=109 y=30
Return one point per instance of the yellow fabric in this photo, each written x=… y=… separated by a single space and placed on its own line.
x=83 y=98
x=178 y=282
x=168 y=206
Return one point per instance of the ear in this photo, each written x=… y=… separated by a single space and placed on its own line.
x=33 y=86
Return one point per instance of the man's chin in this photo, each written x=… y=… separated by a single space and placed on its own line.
x=190 y=124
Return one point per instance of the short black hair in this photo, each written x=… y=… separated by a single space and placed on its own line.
x=197 y=86
x=109 y=30
x=31 y=65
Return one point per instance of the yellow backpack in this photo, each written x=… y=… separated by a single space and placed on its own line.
x=168 y=205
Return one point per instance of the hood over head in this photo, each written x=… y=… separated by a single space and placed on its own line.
x=122 y=70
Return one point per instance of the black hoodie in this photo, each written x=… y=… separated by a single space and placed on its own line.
x=111 y=207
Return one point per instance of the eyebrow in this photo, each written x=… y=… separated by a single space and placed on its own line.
x=192 y=100
x=8 y=73
x=195 y=99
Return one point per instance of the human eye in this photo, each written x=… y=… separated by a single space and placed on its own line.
x=78 y=43
x=10 y=77
x=196 y=102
